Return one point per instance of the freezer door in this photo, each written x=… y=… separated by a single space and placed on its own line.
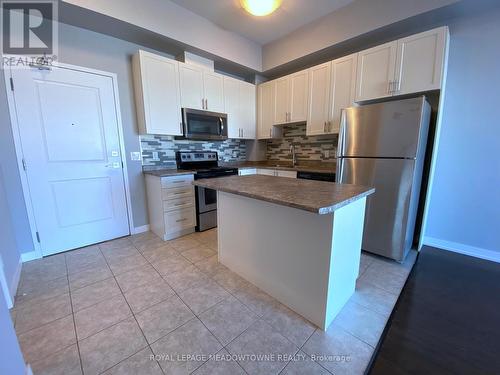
x=385 y=130
x=386 y=230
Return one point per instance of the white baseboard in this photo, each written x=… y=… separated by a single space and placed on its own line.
x=25 y=257
x=460 y=248
x=142 y=229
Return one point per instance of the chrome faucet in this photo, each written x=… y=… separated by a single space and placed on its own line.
x=294 y=159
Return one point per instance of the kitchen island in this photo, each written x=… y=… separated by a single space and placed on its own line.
x=298 y=240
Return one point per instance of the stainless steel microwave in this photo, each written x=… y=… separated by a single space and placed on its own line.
x=204 y=125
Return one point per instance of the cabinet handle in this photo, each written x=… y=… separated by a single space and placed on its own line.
x=324 y=127
x=242 y=132
x=178 y=221
x=206 y=103
x=270 y=133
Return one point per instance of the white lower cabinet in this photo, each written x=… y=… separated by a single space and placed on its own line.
x=276 y=173
x=171 y=205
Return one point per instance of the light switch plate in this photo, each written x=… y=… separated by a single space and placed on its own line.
x=135 y=156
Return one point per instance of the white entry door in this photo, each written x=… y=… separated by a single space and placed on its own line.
x=69 y=137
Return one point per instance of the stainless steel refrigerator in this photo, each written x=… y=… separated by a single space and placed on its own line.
x=383 y=145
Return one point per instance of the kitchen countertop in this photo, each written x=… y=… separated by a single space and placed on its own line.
x=313 y=196
x=302 y=166
x=165 y=172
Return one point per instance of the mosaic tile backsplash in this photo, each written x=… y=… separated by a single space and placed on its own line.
x=159 y=150
x=306 y=148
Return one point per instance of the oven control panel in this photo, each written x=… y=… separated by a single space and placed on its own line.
x=189 y=157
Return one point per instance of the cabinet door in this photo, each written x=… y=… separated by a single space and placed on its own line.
x=282 y=100
x=214 y=91
x=420 y=61
x=247 y=109
x=343 y=89
x=191 y=82
x=157 y=94
x=299 y=85
x=319 y=99
x=232 y=107
x=266 y=109
x=376 y=67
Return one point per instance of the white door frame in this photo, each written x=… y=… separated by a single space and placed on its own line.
x=37 y=253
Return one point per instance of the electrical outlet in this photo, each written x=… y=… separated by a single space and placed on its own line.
x=326 y=153
x=155 y=155
x=135 y=156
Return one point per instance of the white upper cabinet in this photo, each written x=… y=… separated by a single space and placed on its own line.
x=332 y=88
x=266 y=109
x=201 y=89
x=156 y=86
x=213 y=85
x=240 y=106
x=319 y=99
x=298 y=87
x=231 y=106
x=343 y=89
x=420 y=62
x=376 y=68
x=191 y=82
x=248 y=110
x=282 y=98
x=291 y=98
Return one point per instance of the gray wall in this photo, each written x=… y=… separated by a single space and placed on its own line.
x=8 y=246
x=465 y=200
x=11 y=359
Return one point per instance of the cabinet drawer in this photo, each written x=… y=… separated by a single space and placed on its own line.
x=182 y=192
x=173 y=204
x=247 y=171
x=176 y=181
x=289 y=174
x=179 y=219
x=267 y=172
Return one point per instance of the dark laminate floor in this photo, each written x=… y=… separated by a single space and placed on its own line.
x=447 y=320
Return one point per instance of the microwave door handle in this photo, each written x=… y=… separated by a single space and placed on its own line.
x=221 y=126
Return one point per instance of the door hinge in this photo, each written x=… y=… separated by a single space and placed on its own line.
x=38 y=237
x=11 y=84
x=25 y=167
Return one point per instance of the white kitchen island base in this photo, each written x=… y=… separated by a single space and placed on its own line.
x=308 y=262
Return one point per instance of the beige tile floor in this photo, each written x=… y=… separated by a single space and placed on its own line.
x=107 y=308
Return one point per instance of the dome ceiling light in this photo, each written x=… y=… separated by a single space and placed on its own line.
x=260 y=8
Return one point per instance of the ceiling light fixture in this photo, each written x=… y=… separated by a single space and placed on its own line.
x=260 y=8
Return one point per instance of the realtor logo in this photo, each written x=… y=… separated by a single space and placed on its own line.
x=29 y=32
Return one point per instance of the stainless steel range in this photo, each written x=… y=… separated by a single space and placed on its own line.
x=206 y=165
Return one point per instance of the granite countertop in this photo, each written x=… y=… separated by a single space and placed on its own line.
x=301 y=166
x=313 y=196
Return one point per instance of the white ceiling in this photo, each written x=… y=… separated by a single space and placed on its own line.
x=292 y=14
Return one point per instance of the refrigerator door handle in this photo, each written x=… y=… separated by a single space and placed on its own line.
x=338 y=172
x=343 y=124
